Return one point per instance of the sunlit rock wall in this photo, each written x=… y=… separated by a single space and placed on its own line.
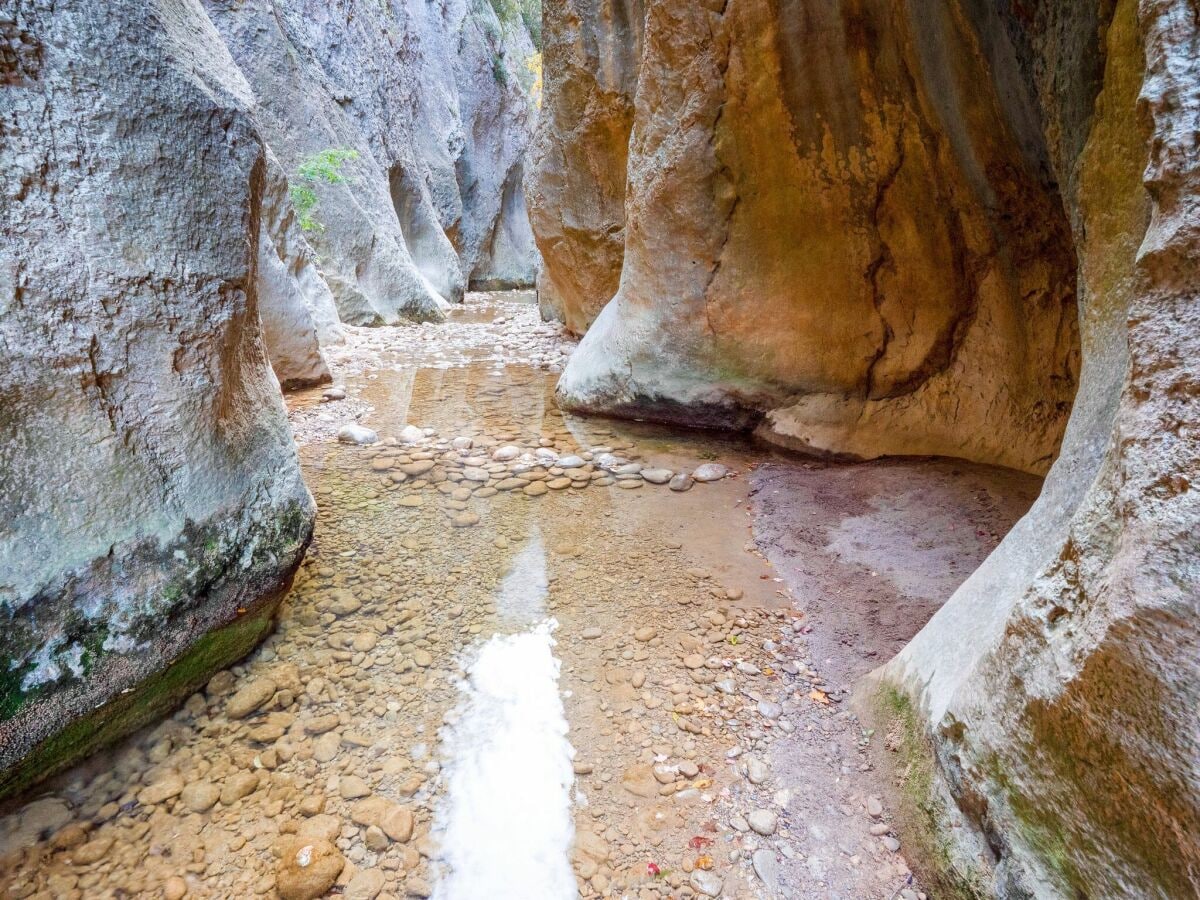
x=151 y=505
x=839 y=222
x=1059 y=685
x=433 y=99
x=575 y=181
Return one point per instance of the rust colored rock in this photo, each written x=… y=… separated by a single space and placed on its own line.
x=840 y=222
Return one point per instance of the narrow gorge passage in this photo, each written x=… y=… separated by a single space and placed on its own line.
x=506 y=673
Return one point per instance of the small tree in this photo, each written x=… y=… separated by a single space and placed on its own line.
x=324 y=167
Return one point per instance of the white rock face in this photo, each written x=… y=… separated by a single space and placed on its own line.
x=425 y=199
x=149 y=485
x=295 y=305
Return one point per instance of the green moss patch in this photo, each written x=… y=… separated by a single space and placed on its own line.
x=922 y=815
x=149 y=701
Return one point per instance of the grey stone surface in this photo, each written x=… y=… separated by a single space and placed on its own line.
x=149 y=486
x=433 y=100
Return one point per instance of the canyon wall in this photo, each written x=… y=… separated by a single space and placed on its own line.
x=151 y=505
x=1058 y=687
x=575 y=188
x=426 y=111
x=862 y=227
x=870 y=184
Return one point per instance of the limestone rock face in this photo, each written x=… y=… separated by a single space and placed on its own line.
x=434 y=144
x=1059 y=685
x=297 y=310
x=575 y=186
x=837 y=217
x=151 y=505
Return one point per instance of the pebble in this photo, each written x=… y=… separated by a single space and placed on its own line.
x=351 y=787
x=411 y=434
x=250 y=697
x=506 y=453
x=657 y=476
x=356 y=434
x=681 y=482
x=646 y=633
x=891 y=843
x=769 y=710
x=710 y=472
x=334 y=393
x=706 y=883
x=874 y=807
x=756 y=770
x=592 y=632
x=571 y=462
x=175 y=888
x=766 y=868
x=200 y=796
x=307 y=869
x=763 y=821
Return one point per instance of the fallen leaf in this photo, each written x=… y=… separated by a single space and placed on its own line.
x=819 y=697
x=704 y=862
x=699 y=842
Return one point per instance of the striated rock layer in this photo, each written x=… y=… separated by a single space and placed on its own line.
x=429 y=103
x=151 y=505
x=837 y=216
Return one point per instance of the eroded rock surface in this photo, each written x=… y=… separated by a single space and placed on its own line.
x=1060 y=682
x=576 y=181
x=862 y=228
x=430 y=100
x=839 y=217
x=151 y=505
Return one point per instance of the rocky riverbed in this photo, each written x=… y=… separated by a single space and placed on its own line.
x=671 y=733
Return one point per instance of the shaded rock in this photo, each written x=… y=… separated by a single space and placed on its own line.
x=161 y=510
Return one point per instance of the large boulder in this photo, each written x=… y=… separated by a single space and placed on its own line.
x=151 y=506
x=429 y=107
x=839 y=222
x=863 y=226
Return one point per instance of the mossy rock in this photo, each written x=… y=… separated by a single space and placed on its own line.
x=149 y=701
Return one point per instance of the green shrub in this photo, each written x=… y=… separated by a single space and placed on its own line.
x=324 y=167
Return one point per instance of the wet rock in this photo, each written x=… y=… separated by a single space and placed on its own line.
x=93 y=851
x=169 y=785
x=351 y=787
x=307 y=870
x=356 y=434
x=237 y=786
x=397 y=824
x=252 y=696
x=200 y=796
x=365 y=885
x=681 y=482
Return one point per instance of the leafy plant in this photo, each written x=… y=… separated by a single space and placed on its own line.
x=323 y=167
x=528 y=12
